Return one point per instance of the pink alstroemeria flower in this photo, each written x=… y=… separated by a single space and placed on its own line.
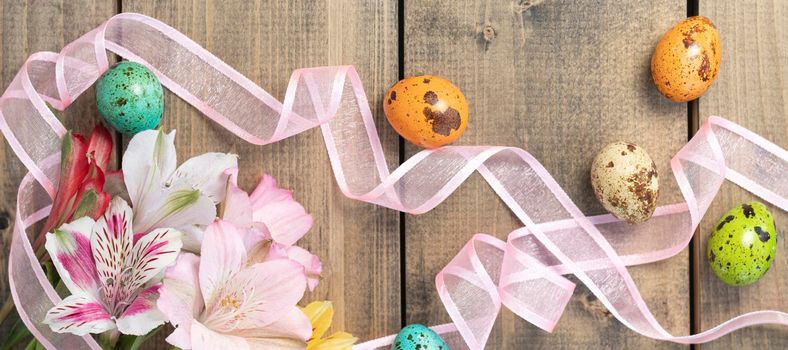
x=285 y=218
x=217 y=301
x=110 y=273
x=271 y=222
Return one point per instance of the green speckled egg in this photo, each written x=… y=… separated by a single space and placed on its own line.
x=742 y=246
x=418 y=337
x=130 y=98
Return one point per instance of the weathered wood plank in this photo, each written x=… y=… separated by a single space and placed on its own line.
x=751 y=90
x=560 y=79
x=266 y=41
x=28 y=27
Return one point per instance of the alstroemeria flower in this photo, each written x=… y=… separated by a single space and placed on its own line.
x=80 y=191
x=285 y=218
x=110 y=273
x=270 y=222
x=163 y=196
x=216 y=301
x=310 y=262
x=320 y=314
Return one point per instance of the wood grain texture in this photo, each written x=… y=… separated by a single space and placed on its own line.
x=560 y=79
x=266 y=40
x=752 y=90
x=29 y=27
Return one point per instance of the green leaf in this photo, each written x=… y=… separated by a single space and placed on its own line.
x=62 y=290
x=50 y=271
x=18 y=333
x=34 y=345
x=87 y=205
x=130 y=342
x=55 y=111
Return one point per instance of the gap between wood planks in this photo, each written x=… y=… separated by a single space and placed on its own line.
x=118 y=135
x=693 y=121
x=402 y=232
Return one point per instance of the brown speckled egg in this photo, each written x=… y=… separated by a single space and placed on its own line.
x=687 y=59
x=426 y=110
x=625 y=181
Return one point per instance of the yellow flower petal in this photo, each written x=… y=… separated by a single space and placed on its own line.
x=320 y=314
x=337 y=341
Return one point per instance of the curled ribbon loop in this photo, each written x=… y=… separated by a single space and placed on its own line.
x=524 y=273
x=531 y=262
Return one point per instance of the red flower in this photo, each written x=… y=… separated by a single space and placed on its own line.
x=81 y=186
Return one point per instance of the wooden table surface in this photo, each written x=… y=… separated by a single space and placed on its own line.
x=560 y=79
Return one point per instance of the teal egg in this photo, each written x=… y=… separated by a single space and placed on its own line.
x=743 y=244
x=418 y=337
x=130 y=98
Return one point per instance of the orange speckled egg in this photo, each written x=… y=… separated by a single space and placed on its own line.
x=687 y=59
x=426 y=110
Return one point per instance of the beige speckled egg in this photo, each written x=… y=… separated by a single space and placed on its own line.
x=687 y=59
x=625 y=181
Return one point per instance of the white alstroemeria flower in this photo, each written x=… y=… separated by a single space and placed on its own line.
x=110 y=272
x=163 y=196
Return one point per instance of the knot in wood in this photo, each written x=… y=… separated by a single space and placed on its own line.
x=5 y=220
x=488 y=33
x=595 y=307
x=523 y=5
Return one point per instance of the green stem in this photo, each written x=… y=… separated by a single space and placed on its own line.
x=34 y=345
x=8 y=306
x=131 y=342
x=17 y=334
x=41 y=254
x=108 y=339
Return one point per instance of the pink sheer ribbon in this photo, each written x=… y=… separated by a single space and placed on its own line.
x=524 y=273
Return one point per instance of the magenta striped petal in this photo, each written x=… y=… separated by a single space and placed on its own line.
x=144 y=302
x=69 y=247
x=151 y=254
x=141 y=316
x=111 y=243
x=79 y=314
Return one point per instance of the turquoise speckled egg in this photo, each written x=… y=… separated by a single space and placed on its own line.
x=418 y=337
x=742 y=246
x=130 y=98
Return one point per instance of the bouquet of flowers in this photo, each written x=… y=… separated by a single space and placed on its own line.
x=152 y=242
